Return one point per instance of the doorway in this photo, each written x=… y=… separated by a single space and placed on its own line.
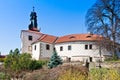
x=90 y=59
x=69 y=59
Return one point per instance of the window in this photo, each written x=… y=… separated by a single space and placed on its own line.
x=88 y=36
x=30 y=38
x=35 y=47
x=54 y=49
x=90 y=46
x=69 y=47
x=47 y=47
x=29 y=48
x=86 y=46
x=61 y=48
x=71 y=37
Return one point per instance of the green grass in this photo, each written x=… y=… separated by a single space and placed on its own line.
x=4 y=77
x=104 y=74
x=112 y=61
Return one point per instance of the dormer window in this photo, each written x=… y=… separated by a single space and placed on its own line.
x=88 y=36
x=71 y=37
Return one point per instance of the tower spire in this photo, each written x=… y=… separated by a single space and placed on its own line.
x=33 y=20
x=33 y=8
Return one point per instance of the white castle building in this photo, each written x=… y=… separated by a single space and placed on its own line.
x=74 y=47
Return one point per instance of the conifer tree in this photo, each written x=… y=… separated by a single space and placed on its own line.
x=55 y=60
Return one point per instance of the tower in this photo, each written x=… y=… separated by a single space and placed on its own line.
x=31 y=35
x=33 y=18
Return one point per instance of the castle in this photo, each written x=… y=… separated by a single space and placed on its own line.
x=74 y=47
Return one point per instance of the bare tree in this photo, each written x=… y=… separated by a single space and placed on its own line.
x=104 y=18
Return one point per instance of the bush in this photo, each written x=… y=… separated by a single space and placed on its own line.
x=16 y=64
x=113 y=58
x=2 y=59
x=43 y=62
x=4 y=77
x=35 y=65
x=97 y=74
x=76 y=72
x=108 y=59
x=72 y=75
x=104 y=74
x=66 y=72
x=113 y=74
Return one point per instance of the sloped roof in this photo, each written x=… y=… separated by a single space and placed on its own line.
x=67 y=38
x=2 y=56
x=78 y=37
x=47 y=38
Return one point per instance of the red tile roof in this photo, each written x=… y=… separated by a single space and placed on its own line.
x=2 y=56
x=78 y=37
x=47 y=38
x=35 y=29
x=68 y=38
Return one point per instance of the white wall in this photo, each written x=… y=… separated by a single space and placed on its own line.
x=25 y=43
x=36 y=53
x=41 y=51
x=78 y=51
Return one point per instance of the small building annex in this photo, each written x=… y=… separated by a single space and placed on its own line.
x=74 y=47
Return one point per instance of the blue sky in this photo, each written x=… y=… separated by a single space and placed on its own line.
x=55 y=17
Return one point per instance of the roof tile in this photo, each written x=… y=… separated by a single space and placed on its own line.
x=47 y=38
x=78 y=37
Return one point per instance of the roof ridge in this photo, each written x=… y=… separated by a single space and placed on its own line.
x=77 y=34
x=78 y=37
x=44 y=35
x=40 y=36
x=56 y=39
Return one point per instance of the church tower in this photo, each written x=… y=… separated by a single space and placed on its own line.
x=31 y=35
x=33 y=19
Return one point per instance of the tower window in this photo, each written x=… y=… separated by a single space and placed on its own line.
x=90 y=46
x=86 y=46
x=61 y=48
x=30 y=38
x=47 y=47
x=69 y=47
